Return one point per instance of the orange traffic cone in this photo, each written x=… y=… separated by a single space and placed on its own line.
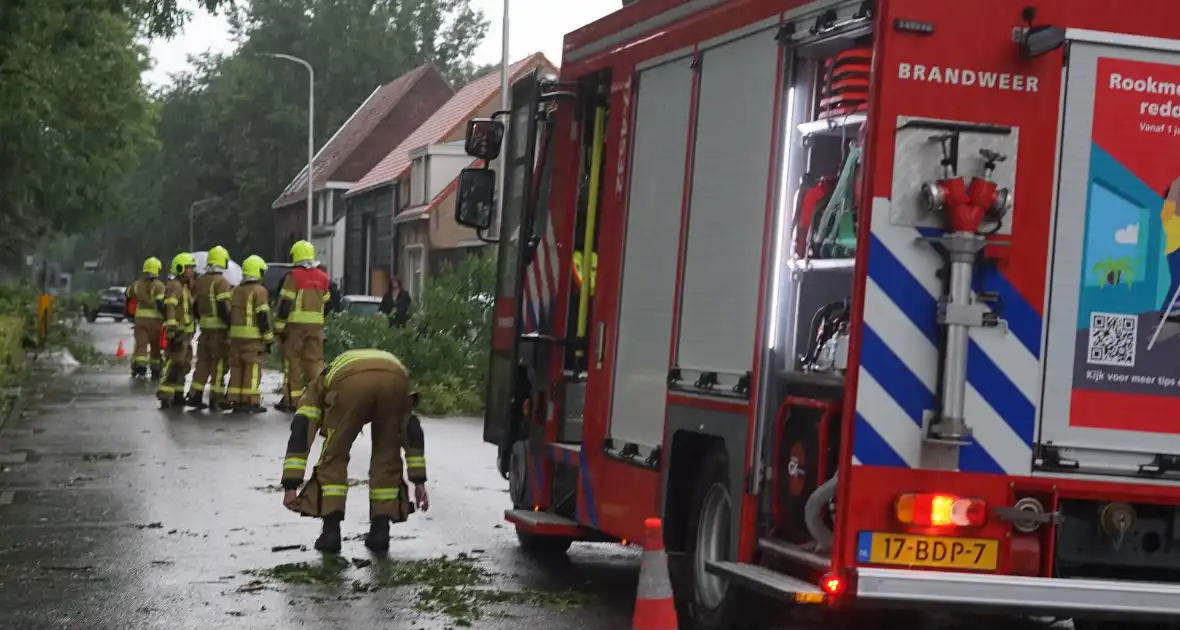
x=120 y=352
x=654 y=608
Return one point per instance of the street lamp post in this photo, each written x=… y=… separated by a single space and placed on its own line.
x=502 y=176
x=192 y=215
x=310 y=128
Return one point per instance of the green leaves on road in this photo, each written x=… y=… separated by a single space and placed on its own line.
x=455 y=587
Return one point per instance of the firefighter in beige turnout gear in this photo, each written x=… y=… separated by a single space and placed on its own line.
x=211 y=302
x=299 y=323
x=359 y=387
x=179 y=326
x=250 y=337
x=148 y=295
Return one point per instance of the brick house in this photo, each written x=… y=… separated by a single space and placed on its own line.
x=414 y=187
x=386 y=118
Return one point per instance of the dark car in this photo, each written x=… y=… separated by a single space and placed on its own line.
x=272 y=278
x=112 y=302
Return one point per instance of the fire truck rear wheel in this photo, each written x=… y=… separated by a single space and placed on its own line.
x=710 y=604
x=542 y=545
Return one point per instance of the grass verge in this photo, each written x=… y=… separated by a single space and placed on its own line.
x=455 y=587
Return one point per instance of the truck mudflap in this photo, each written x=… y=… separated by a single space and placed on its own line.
x=1016 y=594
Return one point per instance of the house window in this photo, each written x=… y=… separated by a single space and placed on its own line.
x=403 y=194
x=415 y=260
x=419 y=181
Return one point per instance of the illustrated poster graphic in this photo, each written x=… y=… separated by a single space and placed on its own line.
x=1127 y=360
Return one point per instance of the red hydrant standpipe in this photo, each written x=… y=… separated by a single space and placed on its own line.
x=964 y=209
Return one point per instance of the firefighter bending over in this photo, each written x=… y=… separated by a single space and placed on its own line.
x=358 y=387
x=179 y=327
x=300 y=322
x=250 y=337
x=211 y=300
x=147 y=294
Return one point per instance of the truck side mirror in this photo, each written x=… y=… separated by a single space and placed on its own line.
x=484 y=136
x=475 y=197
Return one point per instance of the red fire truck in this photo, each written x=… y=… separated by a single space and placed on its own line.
x=873 y=302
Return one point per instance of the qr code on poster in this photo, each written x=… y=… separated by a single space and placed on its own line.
x=1112 y=339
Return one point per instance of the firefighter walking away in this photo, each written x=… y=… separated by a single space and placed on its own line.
x=300 y=322
x=179 y=327
x=211 y=298
x=147 y=297
x=250 y=337
x=359 y=387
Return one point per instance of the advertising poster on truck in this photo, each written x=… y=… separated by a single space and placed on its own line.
x=1128 y=340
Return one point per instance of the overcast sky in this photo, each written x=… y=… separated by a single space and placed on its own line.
x=531 y=28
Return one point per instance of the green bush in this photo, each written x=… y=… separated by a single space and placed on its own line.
x=19 y=301
x=446 y=342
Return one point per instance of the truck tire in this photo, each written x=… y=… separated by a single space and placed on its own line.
x=709 y=603
x=538 y=545
x=518 y=479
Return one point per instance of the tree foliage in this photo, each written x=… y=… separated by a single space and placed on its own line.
x=73 y=113
x=445 y=344
x=235 y=127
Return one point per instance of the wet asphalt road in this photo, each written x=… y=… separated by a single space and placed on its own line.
x=114 y=514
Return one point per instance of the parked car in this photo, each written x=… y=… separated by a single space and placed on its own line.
x=360 y=305
x=272 y=278
x=112 y=302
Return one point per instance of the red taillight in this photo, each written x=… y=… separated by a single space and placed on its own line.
x=832 y=584
x=940 y=510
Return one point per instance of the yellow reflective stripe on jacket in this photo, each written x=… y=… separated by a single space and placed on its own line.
x=335 y=490
x=249 y=330
x=171 y=301
x=222 y=297
x=171 y=323
x=289 y=294
x=294 y=463
x=305 y=317
x=212 y=321
x=416 y=462
x=147 y=313
x=299 y=315
x=187 y=312
x=384 y=494
x=358 y=355
x=309 y=412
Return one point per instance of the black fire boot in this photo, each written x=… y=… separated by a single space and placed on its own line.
x=194 y=400
x=329 y=540
x=178 y=399
x=378 y=537
x=165 y=403
x=284 y=407
x=156 y=373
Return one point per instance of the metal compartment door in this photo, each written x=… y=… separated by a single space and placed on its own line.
x=648 y=293
x=1111 y=399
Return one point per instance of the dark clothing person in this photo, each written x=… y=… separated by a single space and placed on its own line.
x=333 y=305
x=396 y=305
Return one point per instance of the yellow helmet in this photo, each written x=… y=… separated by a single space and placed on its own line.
x=152 y=265
x=182 y=260
x=253 y=267
x=302 y=251
x=218 y=256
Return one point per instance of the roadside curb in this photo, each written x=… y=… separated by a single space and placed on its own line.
x=18 y=394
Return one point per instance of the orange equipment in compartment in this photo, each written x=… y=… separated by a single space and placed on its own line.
x=846 y=83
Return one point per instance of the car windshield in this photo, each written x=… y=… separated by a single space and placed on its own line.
x=112 y=294
x=363 y=309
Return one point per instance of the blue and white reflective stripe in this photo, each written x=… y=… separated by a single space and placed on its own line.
x=899 y=361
